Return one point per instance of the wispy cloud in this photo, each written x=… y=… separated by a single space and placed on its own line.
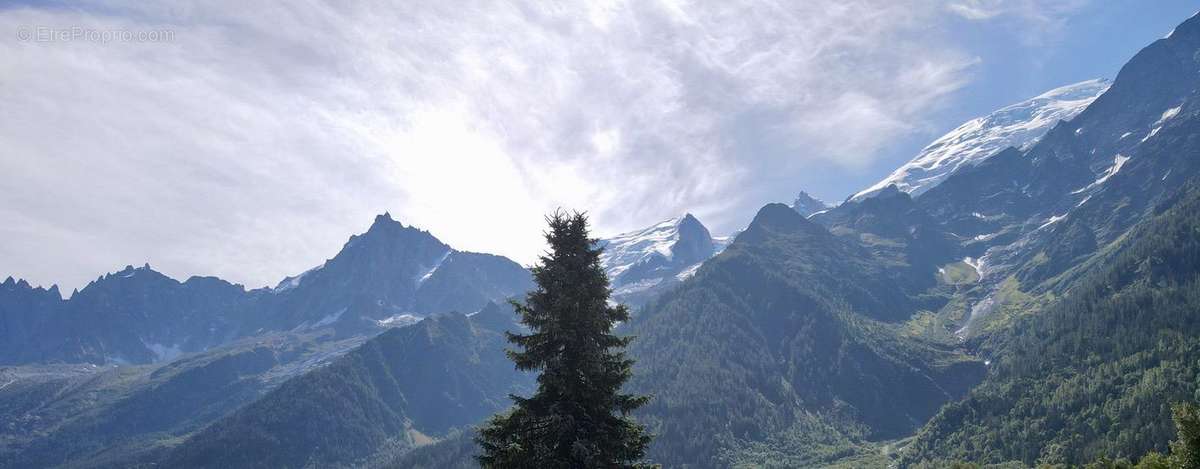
x=252 y=143
x=1040 y=19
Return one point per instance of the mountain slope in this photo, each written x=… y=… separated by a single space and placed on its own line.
x=1017 y=125
x=1069 y=389
x=899 y=233
x=1101 y=217
x=100 y=416
x=771 y=346
x=390 y=394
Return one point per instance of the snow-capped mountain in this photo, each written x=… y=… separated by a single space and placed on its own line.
x=1033 y=214
x=1019 y=125
x=807 y=205
x=643 y=261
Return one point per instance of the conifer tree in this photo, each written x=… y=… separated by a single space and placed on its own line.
x=578 y=417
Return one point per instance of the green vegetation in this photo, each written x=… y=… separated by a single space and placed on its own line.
x=929 y=326
x=456 y=451
x=1010 y=304
x=1093 y=374
x=578 y=416
x=1184 y=454
x=810 y=442
x=958 y=273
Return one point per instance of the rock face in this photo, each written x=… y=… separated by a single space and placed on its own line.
x=390 y=275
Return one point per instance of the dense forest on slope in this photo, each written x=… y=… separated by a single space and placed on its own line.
x=456 y=451
x=1093 y=375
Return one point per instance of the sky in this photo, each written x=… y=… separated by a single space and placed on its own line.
x=249 y=140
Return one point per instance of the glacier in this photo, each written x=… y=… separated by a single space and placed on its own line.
x=1018 y=125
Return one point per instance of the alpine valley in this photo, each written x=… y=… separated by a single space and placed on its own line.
x=1024 y=291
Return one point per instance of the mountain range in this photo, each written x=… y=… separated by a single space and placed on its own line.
x=390 y=275
x=1024 y=291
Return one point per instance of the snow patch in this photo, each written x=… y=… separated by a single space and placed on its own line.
x=289 y=283
x=1168 y=114
x=399 y=320
x=976 y=264
x=436 y=264
x=688 y=272
x=1052 y=220
x=1118 y=162
x=986 y=237
x=638 y=286
x=1151 y=134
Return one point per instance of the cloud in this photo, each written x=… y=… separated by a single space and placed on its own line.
x=256 y=140
x=1038 y=20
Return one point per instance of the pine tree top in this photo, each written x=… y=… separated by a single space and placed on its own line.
x=578 y=416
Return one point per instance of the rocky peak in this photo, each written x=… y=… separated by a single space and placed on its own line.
x=807 y=205
x=694 y=243
x=777 y=218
